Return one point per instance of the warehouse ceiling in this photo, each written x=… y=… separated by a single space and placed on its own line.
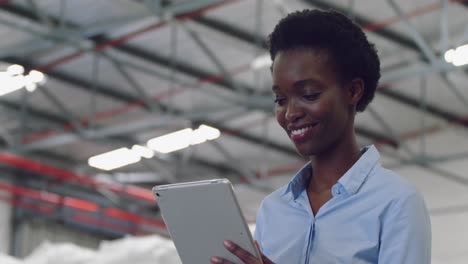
x=121 y=72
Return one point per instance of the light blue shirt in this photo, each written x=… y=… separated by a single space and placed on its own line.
x=374 y=216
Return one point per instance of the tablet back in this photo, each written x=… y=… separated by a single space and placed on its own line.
x=200 y=216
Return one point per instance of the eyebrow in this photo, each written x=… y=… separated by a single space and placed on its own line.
x=298 y=84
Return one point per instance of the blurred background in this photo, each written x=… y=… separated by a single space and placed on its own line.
x=101 y=100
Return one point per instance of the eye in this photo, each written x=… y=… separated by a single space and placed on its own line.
x=311 y=97
x=279 y=100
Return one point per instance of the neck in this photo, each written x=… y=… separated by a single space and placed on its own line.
x=330 y=165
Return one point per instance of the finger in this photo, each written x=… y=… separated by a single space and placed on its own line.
x=266 y=260
x=259 y=251
x=241 y=253
x=219 y=260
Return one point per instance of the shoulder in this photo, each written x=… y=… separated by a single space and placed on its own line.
x=398 y=195
x=270 y=205
x=274 y=198
x=391 y=184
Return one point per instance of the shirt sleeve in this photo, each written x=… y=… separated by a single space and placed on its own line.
x=406 y=233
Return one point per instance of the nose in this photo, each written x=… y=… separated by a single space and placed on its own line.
x=293 y=111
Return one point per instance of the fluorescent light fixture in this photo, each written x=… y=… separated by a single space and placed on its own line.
x=208 y=132
x=114 y=159
x=458 y=56
x=143 y=151
x=171 y=142
x=261 y=62
x=10 y=83
x=15 y=69
x=30 y=87
x=204 y=133
x=197 y=137
x=36 y=76
x=163 y=144
x=13 y=79
x=183 y=139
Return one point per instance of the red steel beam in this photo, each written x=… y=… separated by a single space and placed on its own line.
x=68 y=176
x=53 y=201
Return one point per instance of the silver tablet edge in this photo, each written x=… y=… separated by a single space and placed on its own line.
x=159 y=188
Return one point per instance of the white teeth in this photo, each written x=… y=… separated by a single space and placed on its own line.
x=300 y=131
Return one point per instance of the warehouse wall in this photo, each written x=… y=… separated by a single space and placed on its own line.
x=33 y=233
x=5 y=216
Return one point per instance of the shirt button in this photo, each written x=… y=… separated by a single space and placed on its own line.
x=336 y=190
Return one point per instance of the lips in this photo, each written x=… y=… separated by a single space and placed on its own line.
x=298 y=134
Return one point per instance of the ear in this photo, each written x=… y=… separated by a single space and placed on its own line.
x=355 y=91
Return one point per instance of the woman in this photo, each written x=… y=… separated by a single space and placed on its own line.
x=341 y=207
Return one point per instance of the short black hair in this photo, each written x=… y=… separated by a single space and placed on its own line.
x=353 y=55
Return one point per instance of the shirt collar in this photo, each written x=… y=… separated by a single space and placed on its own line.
x=299 y=181
x=352 y=180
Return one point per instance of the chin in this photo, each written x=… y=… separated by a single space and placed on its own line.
x=313 y=148
x=307 y=151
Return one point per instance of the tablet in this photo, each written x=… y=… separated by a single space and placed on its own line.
x=200 y=216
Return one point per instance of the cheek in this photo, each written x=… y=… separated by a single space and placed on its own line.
x=336 y=115
x=279 y=113
x=323 y=110
x=328 y=112
x=333 y=102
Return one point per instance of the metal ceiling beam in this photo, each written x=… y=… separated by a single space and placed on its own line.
x=415 y=42
x=63 y=210
x=148 y=56
x=48 y=157
x=72 y=118
x=255 y=140
x=49 y=117
x=231 y=30
x=418 y=70
x=393 y=36
x=426 y=50
x=376 y=136
x=37 y=113
x=152 y=57
x=26 y=13
x=158 y=59
x=187 y=69
x=155 y=59
x=114 y=131
x=61 y=120
x=80 y=83
x=427 y=165
x=126 y=98
x=166 y=7
x=386 y=33
x=362 y=21
x=433 y=110
x=253 y=39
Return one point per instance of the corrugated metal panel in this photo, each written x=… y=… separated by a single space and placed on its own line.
x=33 y=233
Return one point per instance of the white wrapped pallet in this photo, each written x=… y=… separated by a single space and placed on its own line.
x=5 y=259
x=60 y=253
x=141 y=250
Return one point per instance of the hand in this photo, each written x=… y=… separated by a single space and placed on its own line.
x=242 y=254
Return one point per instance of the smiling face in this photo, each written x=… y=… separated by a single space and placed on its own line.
x=312 y=106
